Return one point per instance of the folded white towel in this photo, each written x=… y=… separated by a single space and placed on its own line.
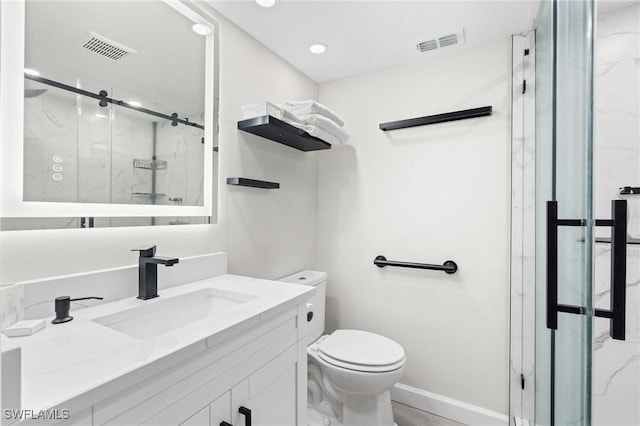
x=320 y=133
x=313 y=107
x=327 y=125
x=311 y=129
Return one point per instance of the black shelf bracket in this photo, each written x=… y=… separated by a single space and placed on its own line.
x=438 y=118
x=450 y=267
x=253 y=183
x=278 y=131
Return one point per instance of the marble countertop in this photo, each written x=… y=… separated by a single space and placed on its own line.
x=80 y=358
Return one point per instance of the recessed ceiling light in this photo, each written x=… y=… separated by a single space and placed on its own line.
x=201 y=29
x=317 y=48
x=266 y=3
x=29 y=71
x=135 y=104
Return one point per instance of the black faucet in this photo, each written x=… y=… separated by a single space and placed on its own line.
x=148 y=271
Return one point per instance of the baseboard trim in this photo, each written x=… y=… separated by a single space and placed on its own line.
x=447 y=407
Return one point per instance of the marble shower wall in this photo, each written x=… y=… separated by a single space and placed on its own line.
x=616 y=376
x=76 y=151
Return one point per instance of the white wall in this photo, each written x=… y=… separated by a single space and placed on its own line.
x=267 y=233
x=426 y=194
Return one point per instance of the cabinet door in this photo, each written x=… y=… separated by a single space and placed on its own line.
x=220 y=410
x=201 y=418
x=270 y=393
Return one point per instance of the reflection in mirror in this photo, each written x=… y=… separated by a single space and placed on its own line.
x=114 y=106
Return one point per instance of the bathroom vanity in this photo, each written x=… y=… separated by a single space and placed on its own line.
x=225 y=348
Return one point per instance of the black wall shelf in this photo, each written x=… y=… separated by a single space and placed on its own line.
x=278 y=131
x=240 y=181
x=438 y=118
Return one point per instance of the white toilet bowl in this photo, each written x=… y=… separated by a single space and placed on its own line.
x=350 y=372
x=357 y=369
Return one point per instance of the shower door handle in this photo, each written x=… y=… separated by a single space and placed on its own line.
x=618 y=303
x=616 y=313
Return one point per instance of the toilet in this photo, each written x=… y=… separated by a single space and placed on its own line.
x=350 y=372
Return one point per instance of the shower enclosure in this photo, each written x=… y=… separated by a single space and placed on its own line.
x=587 y=211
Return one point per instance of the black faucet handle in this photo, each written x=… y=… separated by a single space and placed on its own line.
x=146 y=251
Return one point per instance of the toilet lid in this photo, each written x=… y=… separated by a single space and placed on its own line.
x=361 y=348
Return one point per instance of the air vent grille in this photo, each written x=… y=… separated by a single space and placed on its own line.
x=104 y=47
x=428 y=45
x=448 y=40
x=443 y=40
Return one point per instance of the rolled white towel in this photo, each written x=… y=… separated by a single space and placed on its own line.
x=312 y=107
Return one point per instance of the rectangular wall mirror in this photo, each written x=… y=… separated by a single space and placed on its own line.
x=107 y=116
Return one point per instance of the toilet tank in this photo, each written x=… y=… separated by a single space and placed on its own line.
x=319 y=281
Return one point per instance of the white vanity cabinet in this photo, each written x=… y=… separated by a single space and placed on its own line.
x=262 y=368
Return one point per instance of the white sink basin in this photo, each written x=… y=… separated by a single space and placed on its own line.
x=161 y=316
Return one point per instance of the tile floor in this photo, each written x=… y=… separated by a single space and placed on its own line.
x=409 y=416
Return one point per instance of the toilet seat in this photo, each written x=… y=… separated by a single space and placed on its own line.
x=361 y=351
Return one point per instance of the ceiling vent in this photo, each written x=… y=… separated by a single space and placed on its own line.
x=104 y=47
x=444 y=40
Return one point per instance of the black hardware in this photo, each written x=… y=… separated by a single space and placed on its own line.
x=438 y=118
x=524 y=86
x=522 y=381
x=630 y=240
x=84 y=223
x=278 y=131
x=174 y=119
x=450 y=267
x=309 y=316
x=148 y=271
x=247 y=415
x=526 y=52
x=223 y=423
x=103 y=98
x=239 y=181
x=630 y=190
x=63 y=305
x=617 y=312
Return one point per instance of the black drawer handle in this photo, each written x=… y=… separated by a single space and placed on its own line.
x=223 y=423
x=247 y=415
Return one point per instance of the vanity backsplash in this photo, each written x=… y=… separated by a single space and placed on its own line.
x=35 y=299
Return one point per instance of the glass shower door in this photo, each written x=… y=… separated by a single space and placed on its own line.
x=564 y=218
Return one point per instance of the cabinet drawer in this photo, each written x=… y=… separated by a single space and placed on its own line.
x=142 y=402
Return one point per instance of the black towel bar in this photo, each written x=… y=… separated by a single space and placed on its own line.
x=437 y=118
x=450 y=267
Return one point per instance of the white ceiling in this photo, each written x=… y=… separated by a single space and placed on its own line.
x=367 y=35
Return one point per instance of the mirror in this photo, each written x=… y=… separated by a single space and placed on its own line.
x=117 y=117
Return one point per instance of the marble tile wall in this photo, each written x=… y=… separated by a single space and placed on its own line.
x=77 y=151
x=616 y=376
x=11 y=304
x=183 y=149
